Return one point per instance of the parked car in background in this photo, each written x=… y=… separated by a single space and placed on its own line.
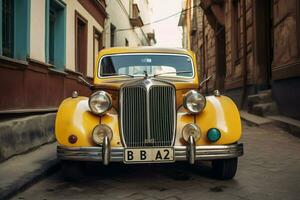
x=147 y=108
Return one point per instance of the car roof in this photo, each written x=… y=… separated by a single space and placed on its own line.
x=121 y=50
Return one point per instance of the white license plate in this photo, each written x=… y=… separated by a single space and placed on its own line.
x=149 y=155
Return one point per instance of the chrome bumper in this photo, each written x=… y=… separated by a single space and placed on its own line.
x=182 y=153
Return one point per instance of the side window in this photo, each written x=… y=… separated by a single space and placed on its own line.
x=14 y=41
x=7 y=27
x=81 y=43
x=56 y=33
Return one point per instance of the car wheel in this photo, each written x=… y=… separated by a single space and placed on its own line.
x=224 y=169
x=72 y=170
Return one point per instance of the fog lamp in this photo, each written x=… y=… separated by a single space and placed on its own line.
x=100 y=132
x=213 y=134
x=191 y=130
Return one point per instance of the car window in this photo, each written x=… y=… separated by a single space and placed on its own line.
x=139 y=64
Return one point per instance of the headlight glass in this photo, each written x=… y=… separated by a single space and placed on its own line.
x=100 y=102
x=191 y=130
x=194 y=102
x=100 y=132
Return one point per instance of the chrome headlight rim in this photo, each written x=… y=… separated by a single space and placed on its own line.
x=187 y=96
x=194 y=126
x=108 y=133
x=107 y=96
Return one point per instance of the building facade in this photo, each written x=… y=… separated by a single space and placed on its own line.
x=128 y=23
x=48 y=50
x=249 y=46
x=52 y=43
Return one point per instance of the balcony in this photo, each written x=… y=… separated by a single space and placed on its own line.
x=151 y=38
x=135 y=18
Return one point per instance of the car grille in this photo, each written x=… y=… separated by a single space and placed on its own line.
x=148 y=115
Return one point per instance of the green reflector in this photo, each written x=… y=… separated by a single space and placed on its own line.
x=213 y=134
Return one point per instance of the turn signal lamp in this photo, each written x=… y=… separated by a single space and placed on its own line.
x=72 y=139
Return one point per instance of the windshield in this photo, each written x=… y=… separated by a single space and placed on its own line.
x=142 y=64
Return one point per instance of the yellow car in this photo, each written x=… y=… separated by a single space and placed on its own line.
x=147 y=108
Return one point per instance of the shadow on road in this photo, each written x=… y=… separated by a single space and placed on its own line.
x=174 y=171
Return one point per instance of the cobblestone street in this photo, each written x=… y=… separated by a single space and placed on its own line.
x=268 y=170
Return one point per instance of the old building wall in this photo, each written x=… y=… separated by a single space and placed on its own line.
x=285 y=37
x=125 y=33
x=262 y=48
x=235 y=69
x=286 y=62
x=210 y=61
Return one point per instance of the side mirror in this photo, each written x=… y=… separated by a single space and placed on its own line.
x=205 y=80
x=86 y=82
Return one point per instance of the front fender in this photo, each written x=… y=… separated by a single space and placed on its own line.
x=221 y=113
x=74 y=118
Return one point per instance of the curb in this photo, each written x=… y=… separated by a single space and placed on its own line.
x=254 y=119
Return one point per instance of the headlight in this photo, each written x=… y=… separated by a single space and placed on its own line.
x=100 y=132
x=100 y=102
x=191 y=130
x=194 y=102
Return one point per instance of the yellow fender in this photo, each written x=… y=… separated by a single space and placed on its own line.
x=74 y=118
x=221 y=113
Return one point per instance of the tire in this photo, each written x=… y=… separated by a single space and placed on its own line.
x=72 y=170
x=224 y=169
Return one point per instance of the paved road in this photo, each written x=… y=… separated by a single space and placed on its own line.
x=270 y=169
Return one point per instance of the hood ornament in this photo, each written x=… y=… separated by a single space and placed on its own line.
x=146 y=74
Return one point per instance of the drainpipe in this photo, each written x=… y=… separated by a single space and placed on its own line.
x=245 y=70
x=204 y=51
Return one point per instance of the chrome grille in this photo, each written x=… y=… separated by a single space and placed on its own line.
x=148 y=115
x=134 y=116
x=161 y=115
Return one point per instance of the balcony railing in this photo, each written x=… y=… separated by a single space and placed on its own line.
x=135 y=18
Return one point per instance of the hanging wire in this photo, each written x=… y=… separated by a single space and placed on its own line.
x=159 y=20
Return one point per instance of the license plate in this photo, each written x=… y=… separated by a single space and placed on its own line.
x=149 y=155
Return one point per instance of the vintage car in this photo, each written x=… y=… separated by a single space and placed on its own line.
x=147 y=107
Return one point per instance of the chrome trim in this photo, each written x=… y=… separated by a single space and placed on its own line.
x=191 y=150
x=206 y=152
x=217 y=93
x=147 y=84
x=106 y=150
x=74 y=94
x=121 y=54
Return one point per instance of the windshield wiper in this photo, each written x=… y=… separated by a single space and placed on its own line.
x=178 y=72
x=116 y=74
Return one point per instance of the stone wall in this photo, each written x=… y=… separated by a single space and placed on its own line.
x=23 y=134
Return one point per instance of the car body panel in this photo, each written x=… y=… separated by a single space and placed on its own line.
x=75 y=118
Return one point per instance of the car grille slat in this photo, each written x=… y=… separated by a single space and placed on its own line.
x=162 y=115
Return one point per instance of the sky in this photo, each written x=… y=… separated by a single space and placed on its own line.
x=167 y=32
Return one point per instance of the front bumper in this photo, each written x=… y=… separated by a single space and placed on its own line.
x=182 y=153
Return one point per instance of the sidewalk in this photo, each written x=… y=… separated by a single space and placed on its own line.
x=290 y=125
x=21 y=170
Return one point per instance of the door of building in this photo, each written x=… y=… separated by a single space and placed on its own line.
x=263 y=43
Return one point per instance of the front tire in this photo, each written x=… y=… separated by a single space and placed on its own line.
x=72 y=170
x=224 y=169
